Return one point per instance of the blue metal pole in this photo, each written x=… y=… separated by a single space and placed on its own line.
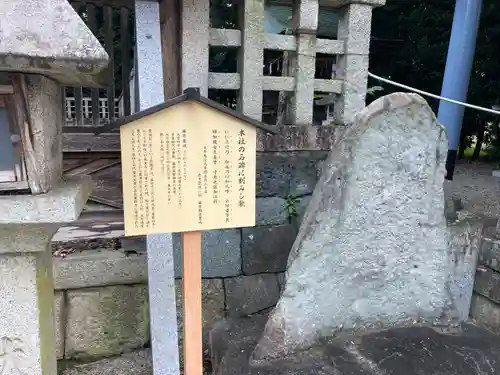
x=457 y=73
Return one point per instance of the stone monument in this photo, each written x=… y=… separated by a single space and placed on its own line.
x=43 y=44
x=376 y=271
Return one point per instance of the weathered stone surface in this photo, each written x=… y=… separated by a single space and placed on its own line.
x=250 y=294
x=342 y=3
x=48 y=37
x=272 y=175
x=281 y=280
x=27 y=311
x=290 y=173
x=266 y=248
x=213 y=303
x=464 y=239
x=270 y=211
x=45 y=113
x=489 y=254
x=99 y=268
x=287 y=138
x=396 y=351
x=135 y=363
x=212 y=299
x=304 y=174
x=106 y=321
x=62 y=204
x=221 y=253
x=487 y=283
x=372 y=250
x=485 y=313
x=59 y=323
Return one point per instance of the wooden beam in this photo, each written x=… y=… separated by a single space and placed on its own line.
x=6 y=89
x=112 y=3
x=170 y=23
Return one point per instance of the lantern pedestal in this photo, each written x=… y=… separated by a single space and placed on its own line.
x=27 y=224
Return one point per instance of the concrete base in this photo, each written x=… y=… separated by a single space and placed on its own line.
x=409 y=351
x=27 y=224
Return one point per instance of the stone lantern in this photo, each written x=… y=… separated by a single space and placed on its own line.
x=44 y=45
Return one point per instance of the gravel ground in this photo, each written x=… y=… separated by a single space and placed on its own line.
x=479 y=191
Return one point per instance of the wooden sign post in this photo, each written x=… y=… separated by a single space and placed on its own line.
x=188 y=165
x=191 y=292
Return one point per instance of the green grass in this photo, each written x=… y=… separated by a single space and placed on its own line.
x=469 y=151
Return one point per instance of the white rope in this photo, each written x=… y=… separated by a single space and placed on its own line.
x=433 y=95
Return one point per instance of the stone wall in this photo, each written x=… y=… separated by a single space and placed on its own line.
x=485 y=308
x=101 y=294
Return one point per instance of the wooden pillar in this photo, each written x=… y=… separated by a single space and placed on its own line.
x=170 y=23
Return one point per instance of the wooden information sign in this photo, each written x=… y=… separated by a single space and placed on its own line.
x=188 y=165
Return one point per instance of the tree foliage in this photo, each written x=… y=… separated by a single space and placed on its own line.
x=410 y=45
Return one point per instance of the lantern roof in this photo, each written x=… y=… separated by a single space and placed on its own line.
x=48 y=37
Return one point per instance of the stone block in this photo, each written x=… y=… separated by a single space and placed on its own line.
x=106 y=321
x=271 y=210
x=342 y=3
x=60 y=39
x=489 y=255
x=92 y=268
x=464 y=239
x=135 y=363
x=250 y=294
x=27 y=314
x=292 y=173
x=272 y=175
x=62 y=204
x=265 y=249
x=221 y=253
x=304 y=173
x=486 y=313
x=213 y=303
x=59 y=323
x=487 y=284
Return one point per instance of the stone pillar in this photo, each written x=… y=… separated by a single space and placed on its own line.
x=195 y=27
x=355 y=30
x=251 y=59
x=150 y=92
x=27 y=224
x=305 y=24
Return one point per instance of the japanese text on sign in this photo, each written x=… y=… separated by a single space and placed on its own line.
x=181 y=178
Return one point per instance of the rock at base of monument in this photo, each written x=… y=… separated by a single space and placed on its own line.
x=408 y=351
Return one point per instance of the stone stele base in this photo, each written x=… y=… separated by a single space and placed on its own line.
x=27 y=224
x=396 y=351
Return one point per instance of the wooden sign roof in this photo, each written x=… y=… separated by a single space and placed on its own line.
x=190 y=94
x=188 y=164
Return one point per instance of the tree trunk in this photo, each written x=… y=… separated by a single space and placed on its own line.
x=463 y=146
x=479 y=143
